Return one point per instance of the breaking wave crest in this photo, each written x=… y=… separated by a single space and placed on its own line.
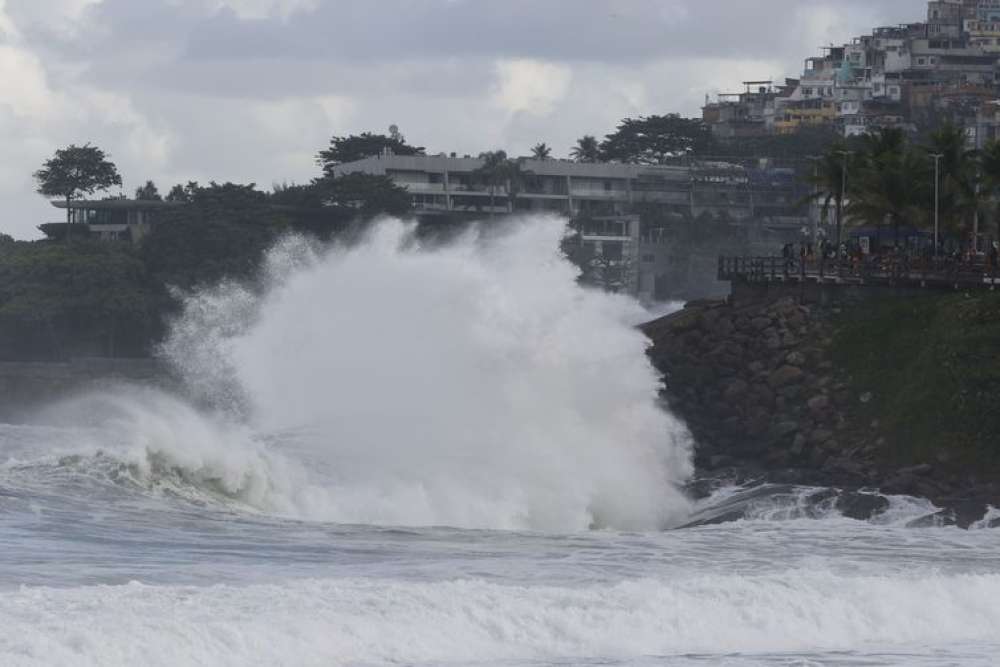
x=473 y=384
x=379 y=622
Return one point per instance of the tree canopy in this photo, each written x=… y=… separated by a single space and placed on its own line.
x=587 y=149
x=85 y=299
x=148 y=192
x=76 y=171
x=541 y=151
x=656 y=139
x=223 y=232
x=360 y=146
x=368 y=194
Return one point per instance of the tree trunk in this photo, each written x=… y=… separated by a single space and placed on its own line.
x=69 y=217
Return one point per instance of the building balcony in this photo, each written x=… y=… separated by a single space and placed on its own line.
x=599 y=193
x=423 y=187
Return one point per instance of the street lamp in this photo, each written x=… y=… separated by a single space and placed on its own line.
x=843 y=195
x=937 y=206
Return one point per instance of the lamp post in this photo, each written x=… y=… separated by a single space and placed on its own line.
x=937 y=199
x=843 y=195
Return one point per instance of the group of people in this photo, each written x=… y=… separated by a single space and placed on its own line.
x=852 y=254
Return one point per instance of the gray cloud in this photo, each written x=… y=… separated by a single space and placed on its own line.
x=250 y=89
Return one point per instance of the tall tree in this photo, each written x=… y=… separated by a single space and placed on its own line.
x=369 y=194
x=517 y=180
x=183 y=193
x=829 y=181
x=587 y=149
x=959 y=196
x=493 y=173
x=148 y=192
x=892 y=184
x=989 y=164
x=360 y=146
x=76 y=171
x=656 y=139
x=222 y=233
x=541 y=151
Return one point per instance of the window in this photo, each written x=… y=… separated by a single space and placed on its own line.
x=649 y=259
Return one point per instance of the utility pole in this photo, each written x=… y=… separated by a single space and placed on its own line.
x=937 y=199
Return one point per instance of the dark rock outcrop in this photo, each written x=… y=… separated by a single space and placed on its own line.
x=759 y=389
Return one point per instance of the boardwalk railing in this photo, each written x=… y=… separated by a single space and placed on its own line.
x=902 y=271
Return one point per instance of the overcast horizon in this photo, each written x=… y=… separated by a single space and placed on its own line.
x=250 y=90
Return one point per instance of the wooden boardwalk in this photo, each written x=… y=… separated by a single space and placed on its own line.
x=885 y=271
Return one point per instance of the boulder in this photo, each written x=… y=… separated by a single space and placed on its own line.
x=736 y=390
x=795 y=359
x=785 y=429
x=861 y=506
x=784 y=376
x=819 y=404
x=820 y=436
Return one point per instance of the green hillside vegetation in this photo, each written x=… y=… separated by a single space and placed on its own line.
x=932 y=366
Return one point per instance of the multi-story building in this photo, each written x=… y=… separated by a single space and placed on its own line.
x=895 y=76
x=114 y=219
x=605 y=200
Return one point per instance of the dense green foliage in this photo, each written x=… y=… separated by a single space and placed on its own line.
x=75 y=171
x=84 y=298
x=932 y=366
x=587 y=149
x=890 y=180
x=223 y=232
x=360 y=146
x=148 y=192
x=368 y=194
x=656 y=139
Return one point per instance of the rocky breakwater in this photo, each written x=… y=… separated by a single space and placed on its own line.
x=759 y=389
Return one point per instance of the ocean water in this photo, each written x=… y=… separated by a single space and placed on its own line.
x=393 y=454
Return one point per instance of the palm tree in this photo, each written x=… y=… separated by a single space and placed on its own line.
x=830 y=182
x=541 y=151
x=518 y=179
x=493 y=172
x=586 y=150
x=959 y=191
x=892 y=185
x=989 y=165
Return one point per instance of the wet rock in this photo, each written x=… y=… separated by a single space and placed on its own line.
x=736 y=390
x=720 y=461
x=791 y=392
x=784 y=376
x=920 y=470
x=761 y=394
x=861 y=506
x=820 y=436
x=819 y=404
x=795 y=359
x=785 y=429
x=901 y=485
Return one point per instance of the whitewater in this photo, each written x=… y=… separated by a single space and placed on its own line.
x=414 y=451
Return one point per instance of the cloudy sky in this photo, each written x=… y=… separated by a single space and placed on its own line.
x=249 y=90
